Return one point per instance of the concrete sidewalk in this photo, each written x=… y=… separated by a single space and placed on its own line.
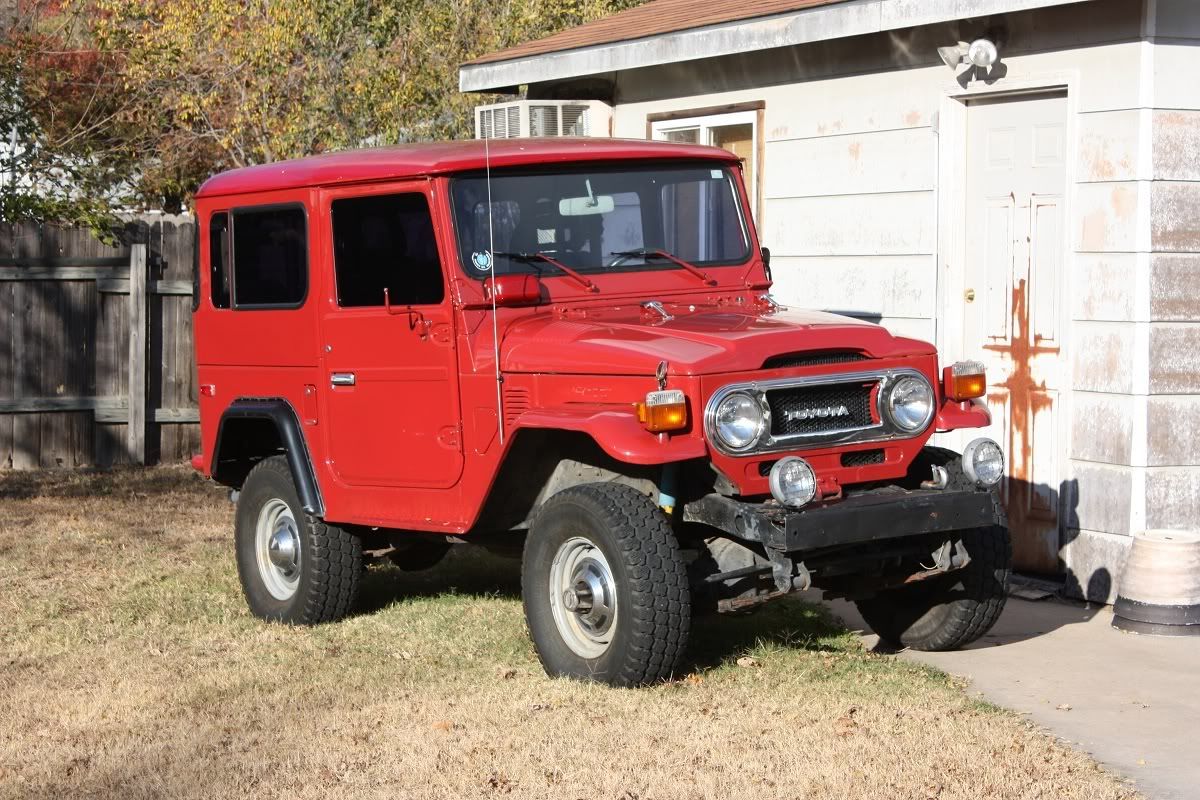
x=1134 y=700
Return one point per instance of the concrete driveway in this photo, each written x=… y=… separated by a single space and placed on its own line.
x=1134 y=700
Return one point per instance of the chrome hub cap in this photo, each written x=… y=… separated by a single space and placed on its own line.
x=583 y=597
x=277 y=547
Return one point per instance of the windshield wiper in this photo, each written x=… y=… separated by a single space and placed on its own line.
x=540 y=256
x=664 y=255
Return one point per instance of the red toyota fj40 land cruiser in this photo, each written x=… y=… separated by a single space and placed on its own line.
x=568 y=345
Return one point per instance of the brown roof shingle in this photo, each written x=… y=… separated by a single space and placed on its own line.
x=652 y=19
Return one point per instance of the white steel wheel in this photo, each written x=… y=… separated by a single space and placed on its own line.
x=277 y=549
x=294 y=568
x=604 y=586
x=583 y=597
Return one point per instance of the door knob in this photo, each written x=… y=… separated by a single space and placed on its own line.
x=969 y=295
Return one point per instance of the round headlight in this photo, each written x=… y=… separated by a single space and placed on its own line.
x=793 y=482
x=739 y=421
x=910 y=404
x=983 y=461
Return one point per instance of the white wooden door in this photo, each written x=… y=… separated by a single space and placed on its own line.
x=1013 y=274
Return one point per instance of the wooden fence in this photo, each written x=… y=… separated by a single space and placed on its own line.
x=96 y=364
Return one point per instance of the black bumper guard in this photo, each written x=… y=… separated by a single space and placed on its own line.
x=873 y=516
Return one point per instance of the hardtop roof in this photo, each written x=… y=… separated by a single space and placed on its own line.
x=438 y=158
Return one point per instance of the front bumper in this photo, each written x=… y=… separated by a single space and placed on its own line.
x=874 y=516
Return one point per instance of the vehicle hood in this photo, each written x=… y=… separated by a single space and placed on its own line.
x=632 y=340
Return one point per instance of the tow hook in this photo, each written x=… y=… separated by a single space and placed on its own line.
x=941 y=478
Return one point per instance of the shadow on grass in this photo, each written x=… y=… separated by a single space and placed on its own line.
x=120 y=482
x=465 y=571
x=715 y=640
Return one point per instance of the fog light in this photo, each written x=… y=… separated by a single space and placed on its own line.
x=983 y=461
x=793 y=482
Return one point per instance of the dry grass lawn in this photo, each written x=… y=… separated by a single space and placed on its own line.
x=129 y=667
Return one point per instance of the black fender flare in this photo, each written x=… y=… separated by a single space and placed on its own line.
x=281 y=414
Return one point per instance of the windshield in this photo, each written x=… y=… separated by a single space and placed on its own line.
x=601 y=218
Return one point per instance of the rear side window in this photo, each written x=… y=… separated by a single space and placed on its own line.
x=385 y=242
x=270 y=257
x=218 y=259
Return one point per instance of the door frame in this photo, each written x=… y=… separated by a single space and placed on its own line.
x=951 y=190
x=329 y=308
x=753 y=112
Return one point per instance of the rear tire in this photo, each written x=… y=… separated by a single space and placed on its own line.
x=294 y=568
x=612 y=550
x=951 y=612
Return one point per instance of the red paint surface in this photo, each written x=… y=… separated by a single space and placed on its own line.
x=415 y=444
x=421 y=160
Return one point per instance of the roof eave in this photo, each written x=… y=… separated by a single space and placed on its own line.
x=820 y=23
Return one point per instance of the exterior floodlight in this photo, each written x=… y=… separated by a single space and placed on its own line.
x=980 y=53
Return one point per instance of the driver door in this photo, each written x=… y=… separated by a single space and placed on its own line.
x=391 y=382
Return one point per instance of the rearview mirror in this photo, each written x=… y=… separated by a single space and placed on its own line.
x=583 y=206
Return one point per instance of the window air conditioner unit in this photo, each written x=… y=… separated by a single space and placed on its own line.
x=543 y=118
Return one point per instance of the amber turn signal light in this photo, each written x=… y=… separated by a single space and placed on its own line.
x=664 y=410
x=964 y=380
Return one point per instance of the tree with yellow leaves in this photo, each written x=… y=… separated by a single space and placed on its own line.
x=146 y=98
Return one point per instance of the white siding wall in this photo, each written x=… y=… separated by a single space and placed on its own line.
x=850 y=213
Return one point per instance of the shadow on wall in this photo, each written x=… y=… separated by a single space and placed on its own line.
x=1092 y=566
x=864 y=316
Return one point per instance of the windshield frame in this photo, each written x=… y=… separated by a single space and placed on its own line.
x=634 y=264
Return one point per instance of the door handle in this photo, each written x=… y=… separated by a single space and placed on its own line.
x=342 y=379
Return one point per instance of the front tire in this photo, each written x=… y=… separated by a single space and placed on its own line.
x=605 y=588
x=950 y=612
x=293 y=568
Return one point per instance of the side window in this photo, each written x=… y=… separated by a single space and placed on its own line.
x=385 y=242
x=270 y=257
x=218 y=259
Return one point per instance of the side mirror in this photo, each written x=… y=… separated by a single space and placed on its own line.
x=513 y=290
x=766 y=259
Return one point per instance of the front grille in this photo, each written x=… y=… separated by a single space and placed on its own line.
x=818 y=358
x=807 y=410
x=862 y=458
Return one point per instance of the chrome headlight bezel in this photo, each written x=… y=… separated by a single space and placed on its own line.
x=759 y=423
x=881 y=429
x=888 y=406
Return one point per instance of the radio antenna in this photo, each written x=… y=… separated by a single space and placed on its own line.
x=487 y=163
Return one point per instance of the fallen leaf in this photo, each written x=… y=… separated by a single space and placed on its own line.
x=506 y=673
x=1141 y=762
x=1063 y=706
x=694 y=679
x=747 y=661
x=499 y=782
x=443 y=725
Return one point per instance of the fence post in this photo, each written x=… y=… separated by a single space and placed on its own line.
x=138 y=319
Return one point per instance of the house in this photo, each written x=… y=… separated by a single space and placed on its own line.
x=1036 y=208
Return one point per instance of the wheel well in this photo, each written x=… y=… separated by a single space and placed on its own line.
x=244 y=441
x=541 y=463
x=254 y=429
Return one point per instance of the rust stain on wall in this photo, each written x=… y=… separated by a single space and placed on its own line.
x=1027 y=398
x=1124 y=202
